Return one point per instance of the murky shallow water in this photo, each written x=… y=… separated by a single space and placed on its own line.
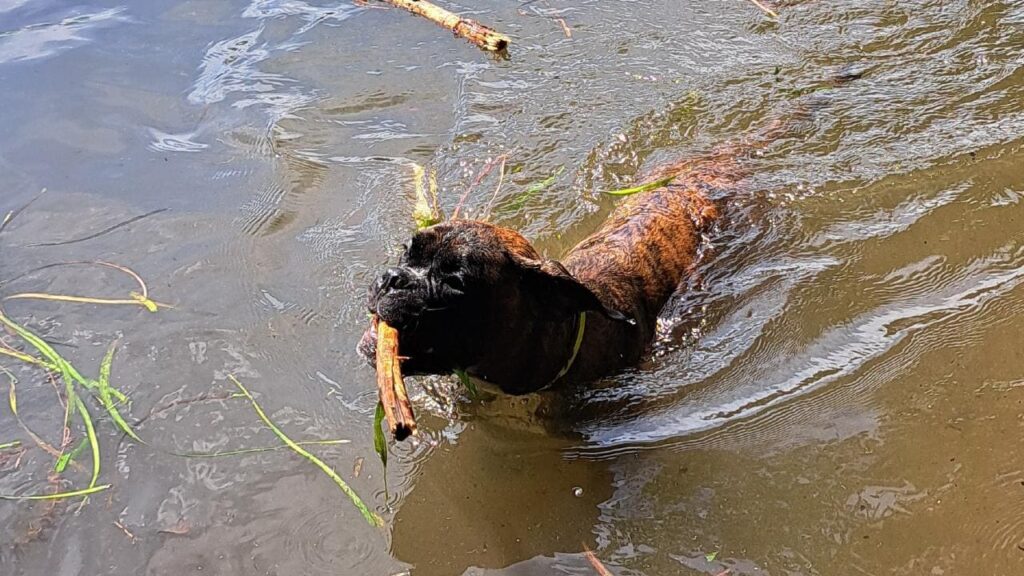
x=843 y=393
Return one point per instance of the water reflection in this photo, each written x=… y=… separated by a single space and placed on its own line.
x=45 y=39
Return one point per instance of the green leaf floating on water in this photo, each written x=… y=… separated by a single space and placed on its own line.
x=467 y=382
x=380 y=443
x=711 y=557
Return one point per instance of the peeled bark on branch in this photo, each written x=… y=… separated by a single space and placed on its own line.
x=483 y=36
x=390 y=386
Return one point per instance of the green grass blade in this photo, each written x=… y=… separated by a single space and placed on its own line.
x=255 y=450
x=368 y=514
x=68 y=457
x=643 y=187
x=47 y=351
x=7 y=445
x=62 y=462
x=532 y=189
x=380 y=443
x=144 y=301
x=468 y=383
x=12 y=395
x=59 y=496
x=106 y=391
x=29 y=359
x=90 y=432
x=425 y=212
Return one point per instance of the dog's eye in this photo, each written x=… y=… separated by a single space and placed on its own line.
x=455 y=283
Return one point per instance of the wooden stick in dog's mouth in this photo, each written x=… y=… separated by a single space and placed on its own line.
x=390 y=385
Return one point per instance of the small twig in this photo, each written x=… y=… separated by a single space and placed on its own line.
x=565 y=27
x=14 y=213
x=765 y=8
x=101 y=232
x=125 y=530
x=595 y=562
x=205 y=397
x=561 y=21
x=480 y=176
x=494 y=195
x=12 y=401
x=143 y=289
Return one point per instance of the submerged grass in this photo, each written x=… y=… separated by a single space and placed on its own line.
x=109 y=398
x=58 y=495
x=426 y=212
x=380 y=443
x=643 y=187
x=94 y=443
x=78 y=388
x=135 y=298
x=532 y=190
x=100 y=388
x=371 y=517
x=256 y=450
x=69 y=457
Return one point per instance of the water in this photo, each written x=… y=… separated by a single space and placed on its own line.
x=840 y=393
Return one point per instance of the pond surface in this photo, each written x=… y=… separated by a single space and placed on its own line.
x=842 y=392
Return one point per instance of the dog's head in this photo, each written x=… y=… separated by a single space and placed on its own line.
x=465 y=291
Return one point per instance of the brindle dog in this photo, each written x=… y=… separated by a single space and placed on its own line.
x=468 y=295
x=472 y=296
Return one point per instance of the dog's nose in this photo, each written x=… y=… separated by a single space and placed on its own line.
x=395 y=279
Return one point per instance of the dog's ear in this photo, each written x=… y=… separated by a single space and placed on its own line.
x=551 y=279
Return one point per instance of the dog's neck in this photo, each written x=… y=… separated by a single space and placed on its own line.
x=633 y=264
x=549 y=351
x=555 y=349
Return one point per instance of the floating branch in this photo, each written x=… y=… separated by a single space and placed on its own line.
x=483 y=36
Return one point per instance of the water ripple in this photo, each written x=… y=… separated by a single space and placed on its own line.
x=230 y=66
x=837 y=354
x=44 y=40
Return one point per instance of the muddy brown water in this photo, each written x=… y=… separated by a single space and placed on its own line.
x=843 y=392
